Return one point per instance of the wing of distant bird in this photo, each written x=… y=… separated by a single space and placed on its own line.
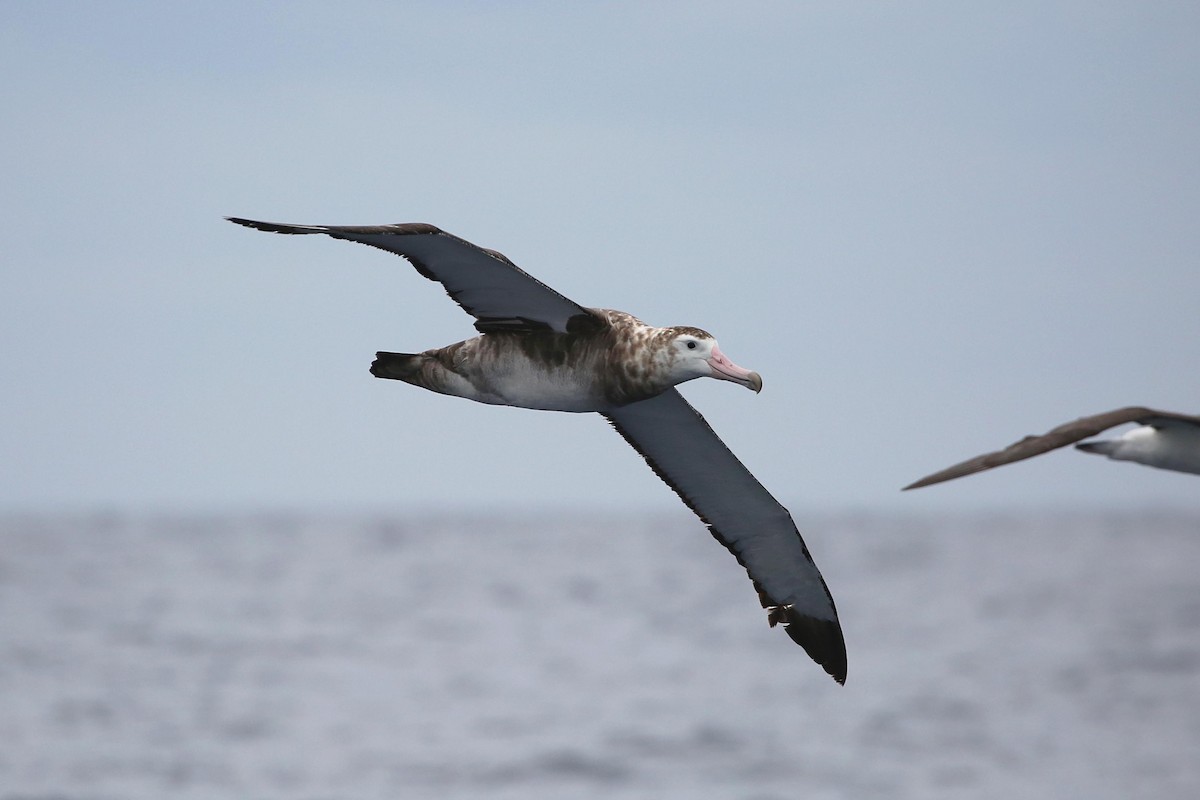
x=1063 y=435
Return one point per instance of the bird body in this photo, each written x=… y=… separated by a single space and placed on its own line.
x=618 y=360
x=1170 y=446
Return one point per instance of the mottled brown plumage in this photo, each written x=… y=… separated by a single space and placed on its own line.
x=619 y=360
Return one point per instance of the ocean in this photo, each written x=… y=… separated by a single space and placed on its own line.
x=593 y=656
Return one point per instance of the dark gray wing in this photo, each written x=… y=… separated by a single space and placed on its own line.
x=1063 y=435
x=684 y=451
x=487 y=285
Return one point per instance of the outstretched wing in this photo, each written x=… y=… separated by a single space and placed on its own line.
x=1063 y=435
x=684 y=451
x=487 y=285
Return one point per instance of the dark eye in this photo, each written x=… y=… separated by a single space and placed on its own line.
x=691 y=345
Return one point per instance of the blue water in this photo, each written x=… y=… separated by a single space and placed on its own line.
x=275 y=656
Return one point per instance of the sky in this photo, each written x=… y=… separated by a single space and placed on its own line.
x=933 y=228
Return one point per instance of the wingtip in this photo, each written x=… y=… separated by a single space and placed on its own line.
x=937 y=477
x=251 y=223
x=274 y=227
x=823 y=641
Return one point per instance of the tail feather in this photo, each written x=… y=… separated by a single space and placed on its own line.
x=1104 y=447
x=396 y=366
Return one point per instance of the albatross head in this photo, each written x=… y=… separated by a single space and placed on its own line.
x=694 y=354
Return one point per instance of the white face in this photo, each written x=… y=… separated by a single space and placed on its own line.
x=692 y=354
x=697 y=356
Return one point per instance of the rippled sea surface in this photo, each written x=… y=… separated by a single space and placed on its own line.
x=276 y=656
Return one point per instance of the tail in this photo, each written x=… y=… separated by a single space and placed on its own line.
x=397 y=366
x=1104 y=448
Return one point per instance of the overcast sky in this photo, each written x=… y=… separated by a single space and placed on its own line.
x=932 y=227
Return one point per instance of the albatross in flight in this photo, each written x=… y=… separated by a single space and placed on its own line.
x=537 y=349
x=1162 y=439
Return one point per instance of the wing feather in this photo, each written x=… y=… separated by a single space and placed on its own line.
x=682 y=449
x=1065 y=434
x=498 y=293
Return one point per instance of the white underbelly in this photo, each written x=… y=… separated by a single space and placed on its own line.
x=1179 y=449
x=527 y=384
x=1170 y=447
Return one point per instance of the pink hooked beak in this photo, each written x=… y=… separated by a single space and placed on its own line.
x=726 y=370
